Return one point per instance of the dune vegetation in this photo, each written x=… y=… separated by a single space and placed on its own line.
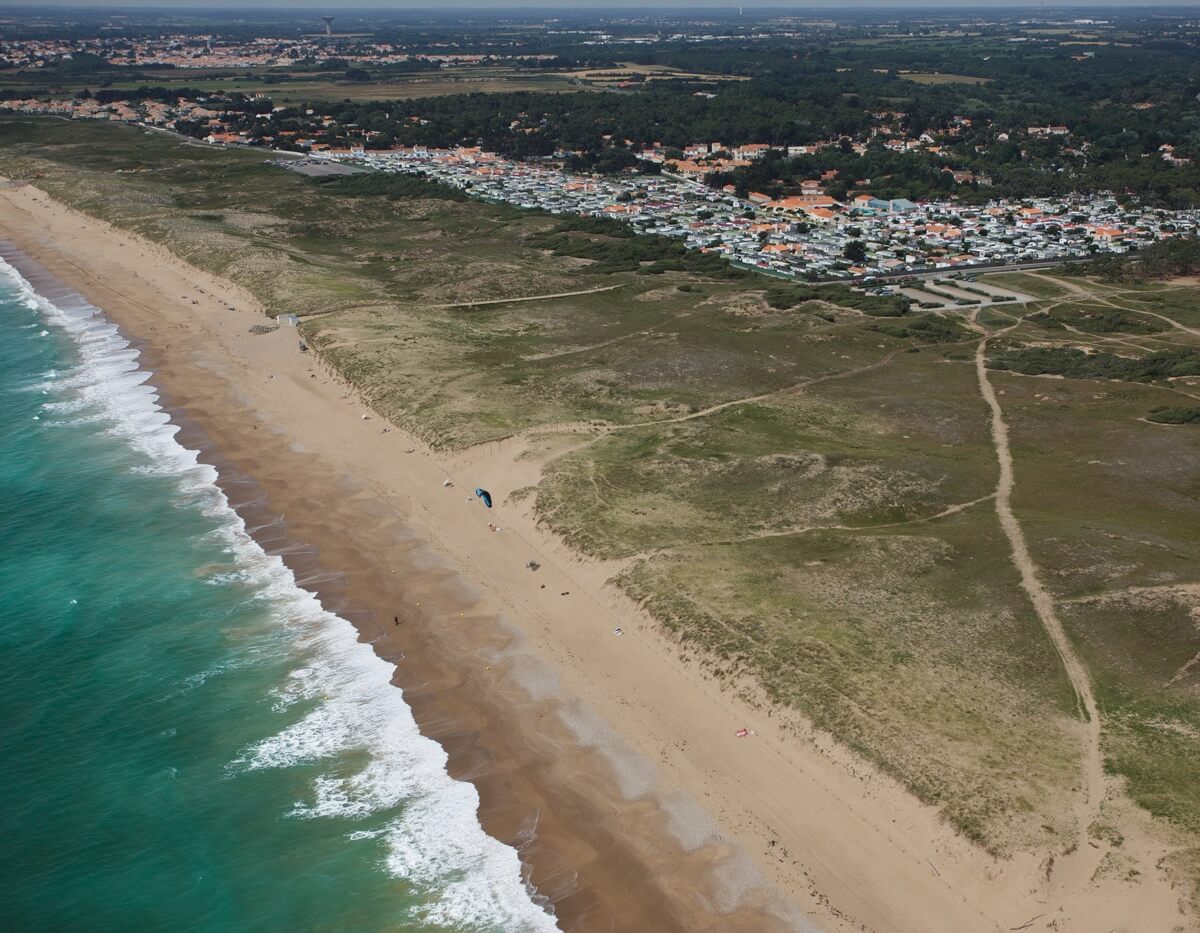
x=801 y=491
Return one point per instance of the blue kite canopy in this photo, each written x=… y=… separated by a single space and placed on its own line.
x=485 y=496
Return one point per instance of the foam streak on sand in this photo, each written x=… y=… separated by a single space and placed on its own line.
x=468 y=880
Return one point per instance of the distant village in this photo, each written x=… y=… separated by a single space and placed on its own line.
x=210 y=51
x=810 y=235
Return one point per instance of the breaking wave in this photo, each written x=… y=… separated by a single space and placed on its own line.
x=352 y=712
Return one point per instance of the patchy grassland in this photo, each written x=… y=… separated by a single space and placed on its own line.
x=797 y=542
x=799 y=494
x=1095 y=318
x=1180 y=304
x=1038 y=286
x=1120 y=544
x=1111 y=507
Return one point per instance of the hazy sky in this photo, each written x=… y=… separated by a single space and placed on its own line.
x=336 y=6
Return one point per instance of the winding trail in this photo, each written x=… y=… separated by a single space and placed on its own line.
x=598 y=430
x=809 y=529
x=1162 y=317
x=1081 y=862
x=763 y=396
x=1077 y=289
x=575 y=351
x=513 y=301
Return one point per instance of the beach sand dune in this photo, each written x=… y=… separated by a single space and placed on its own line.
x=645 y=798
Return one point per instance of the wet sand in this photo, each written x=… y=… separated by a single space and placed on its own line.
x=596 y=844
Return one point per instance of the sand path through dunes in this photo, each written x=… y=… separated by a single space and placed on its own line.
x=1081 y=866
x=518 y=300
x=1073 y=876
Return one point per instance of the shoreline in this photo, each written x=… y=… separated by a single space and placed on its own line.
x=577 y=858
x=573 y=863
x=357 y=710
x=625 y=750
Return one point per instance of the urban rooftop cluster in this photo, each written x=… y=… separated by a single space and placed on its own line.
x=807 y=236
x=810 y=235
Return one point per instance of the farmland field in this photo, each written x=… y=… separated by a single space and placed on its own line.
x=291 y=86
x=933 y=77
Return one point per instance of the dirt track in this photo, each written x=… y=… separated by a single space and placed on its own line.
x=1079 y=865
x=510 y=301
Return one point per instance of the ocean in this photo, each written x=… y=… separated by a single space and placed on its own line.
x=188 y=740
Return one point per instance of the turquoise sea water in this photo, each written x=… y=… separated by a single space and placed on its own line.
x=187 y=740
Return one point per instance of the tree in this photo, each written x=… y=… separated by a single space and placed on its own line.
x=856 y=251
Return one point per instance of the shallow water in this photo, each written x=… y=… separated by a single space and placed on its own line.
x=188 y=740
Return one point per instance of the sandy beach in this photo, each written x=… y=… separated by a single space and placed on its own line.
x=613 y=764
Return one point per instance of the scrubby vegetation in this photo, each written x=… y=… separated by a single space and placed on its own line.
x=1113 y=321
x=1079 y=364
x=614 y=247
x=391 y=185
x=1175 y=415
x=1046 y=320
x=785 y=297
x=1166 y=258
x=926 y=328
x=1098 y=319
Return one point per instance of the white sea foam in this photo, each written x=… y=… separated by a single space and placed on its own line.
x=431 y=829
